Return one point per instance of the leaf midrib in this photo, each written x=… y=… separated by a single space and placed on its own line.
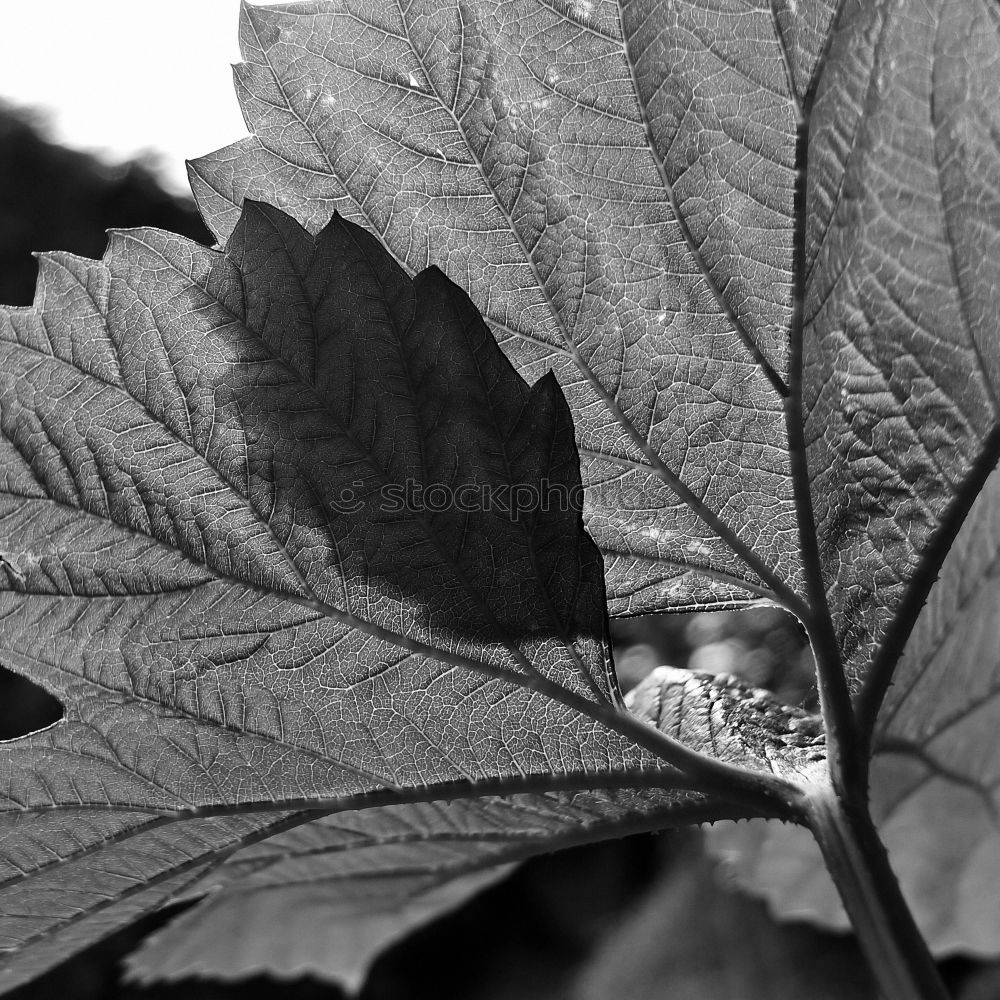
x=651 y=822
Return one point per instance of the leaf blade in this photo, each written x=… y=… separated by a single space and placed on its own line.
x=339 y=890
x=70 y=880
x=894 y=260
x=232 y=638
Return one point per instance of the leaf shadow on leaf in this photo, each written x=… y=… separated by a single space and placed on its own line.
x=411 y=477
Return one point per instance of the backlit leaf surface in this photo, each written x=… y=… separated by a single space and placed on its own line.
x=211 y=559
x=751 y=241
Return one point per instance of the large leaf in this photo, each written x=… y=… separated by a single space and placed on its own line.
x=758 y=243
x=750 y=239
x=207 y=560
x=936 y=771
x=676 y=208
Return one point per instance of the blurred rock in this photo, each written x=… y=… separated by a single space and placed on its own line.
x=708 y=627
x=757 y=667
x=665 y=633
x=634 y=663
x=719 y=657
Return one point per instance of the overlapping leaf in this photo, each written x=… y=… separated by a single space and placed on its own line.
x=70 y=878
x=716 y=223
x=224 y=554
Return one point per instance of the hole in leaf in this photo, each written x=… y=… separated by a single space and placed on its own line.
x=24 y=706
x=764 y=647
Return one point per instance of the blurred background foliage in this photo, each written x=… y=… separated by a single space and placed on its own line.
x=642 y=918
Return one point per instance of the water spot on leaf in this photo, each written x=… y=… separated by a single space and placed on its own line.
x=24 y=706
x=268 y=33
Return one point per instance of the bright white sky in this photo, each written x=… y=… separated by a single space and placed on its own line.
x=120 y=77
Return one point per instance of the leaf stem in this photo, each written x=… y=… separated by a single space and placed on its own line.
x=856 y=858
x=846 y=750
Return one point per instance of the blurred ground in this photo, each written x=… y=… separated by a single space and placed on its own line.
x=562 y=927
